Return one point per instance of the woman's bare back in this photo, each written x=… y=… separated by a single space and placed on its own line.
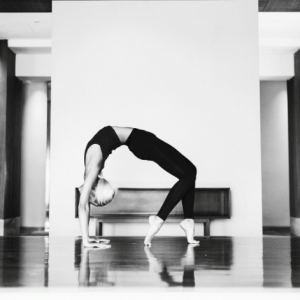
x=123 y=133
x=94 y=153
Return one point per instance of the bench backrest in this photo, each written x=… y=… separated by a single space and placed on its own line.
x=208 y=202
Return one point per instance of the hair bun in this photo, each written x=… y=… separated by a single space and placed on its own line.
x=104 y=191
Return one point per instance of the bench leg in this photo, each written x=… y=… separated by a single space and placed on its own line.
x=98 y=228
x=207 y=228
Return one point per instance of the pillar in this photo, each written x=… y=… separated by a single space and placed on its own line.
x=294 y=146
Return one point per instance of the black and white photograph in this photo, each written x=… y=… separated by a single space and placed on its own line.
x=149 y=149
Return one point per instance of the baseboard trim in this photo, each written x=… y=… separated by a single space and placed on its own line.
x=276 y=227
x=32 y=228
x=295 y=226
x=9 y=224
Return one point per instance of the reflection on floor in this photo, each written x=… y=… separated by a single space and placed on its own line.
x=32 y=261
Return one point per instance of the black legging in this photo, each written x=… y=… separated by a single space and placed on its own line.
x=146 y=146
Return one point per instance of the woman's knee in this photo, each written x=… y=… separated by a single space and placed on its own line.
x=191 y=174
x=193 y=171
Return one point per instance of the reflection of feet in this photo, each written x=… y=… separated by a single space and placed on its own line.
x=188 y=260
x=154 y=264
x=188 y=227
x=155 y=223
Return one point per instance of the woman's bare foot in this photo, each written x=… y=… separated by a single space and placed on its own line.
x=155 y=223
x=155 y=265
x=188 y=227
x=188 y=260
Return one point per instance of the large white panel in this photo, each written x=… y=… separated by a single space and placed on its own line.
x=185 y=70
x=33 y=66
x=277 y=67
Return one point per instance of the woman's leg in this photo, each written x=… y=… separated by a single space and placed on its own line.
x=188 y=224
x=173 y=162
x=179 y=166
x=188 y=203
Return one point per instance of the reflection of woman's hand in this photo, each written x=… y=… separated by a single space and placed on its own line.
x=97 y=245
x=94 y=240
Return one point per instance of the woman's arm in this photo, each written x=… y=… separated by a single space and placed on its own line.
x=84 y=206
x=93 y=166
x=84 y=210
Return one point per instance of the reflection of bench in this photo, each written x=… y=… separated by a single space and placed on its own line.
x=135 y=205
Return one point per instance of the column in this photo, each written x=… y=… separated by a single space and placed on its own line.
x=34 y=142
x=294 y=146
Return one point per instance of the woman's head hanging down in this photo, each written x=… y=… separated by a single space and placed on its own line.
x=102 y=192
x=145 y=146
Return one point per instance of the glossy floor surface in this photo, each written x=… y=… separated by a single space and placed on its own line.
x=265 y=262
x=224 y=262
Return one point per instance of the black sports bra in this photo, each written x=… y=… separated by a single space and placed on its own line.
x=108 y=141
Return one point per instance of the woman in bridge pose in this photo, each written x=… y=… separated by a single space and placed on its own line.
x=146 y=146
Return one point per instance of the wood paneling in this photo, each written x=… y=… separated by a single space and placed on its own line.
x=208 y=202
x=262 y=4
x=135 y=205
x=10 y=6
x=279 y=5
x=294 y=138
x=10 y=135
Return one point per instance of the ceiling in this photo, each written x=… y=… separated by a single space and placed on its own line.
x=25 y=25
x=279 y=33
x=45 y=6
x=32 y=32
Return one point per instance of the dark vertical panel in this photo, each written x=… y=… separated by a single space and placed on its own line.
x=10 y=135
x=10 y=261
x=13 y=153
x=3 y=89
x=12 y=202
x=295 y=262
x=293 y=86
x=48 y=155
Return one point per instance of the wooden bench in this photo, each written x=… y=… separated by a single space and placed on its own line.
x=135 y=205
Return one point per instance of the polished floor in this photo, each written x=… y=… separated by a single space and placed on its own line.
x=218 y=262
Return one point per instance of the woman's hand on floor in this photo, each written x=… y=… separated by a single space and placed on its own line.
x=93 y=244
x=95 y=240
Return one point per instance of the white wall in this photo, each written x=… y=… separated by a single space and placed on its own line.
x=181 y=69
x=33 y=66
x=34 y=132
x=277 y=67
x=274 y=145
